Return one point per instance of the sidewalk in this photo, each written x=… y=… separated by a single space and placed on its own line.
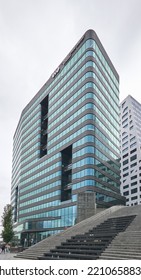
x=8 y=256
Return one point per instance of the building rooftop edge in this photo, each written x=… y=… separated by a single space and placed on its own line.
x=129 y=96
x=89 y=34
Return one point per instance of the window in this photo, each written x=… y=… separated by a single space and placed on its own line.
x=124 y=133
x=125 y=110
x=126 y=137
x=125 y=144
x=124 y=150
x=125 y=161
x=125 y=187
x=125 y=121
x=123 y=104
x=133 y=145
x=126 y=193
x=126 y=174
x=134 y=183
x=134 y=190
x=125 y=155
x=133 y=151
x=133 y=177
x=124 y=115
x=133 y=157
x=125 y=125
x=134 y=197
x=134 y=164
x=126 y=168
x=132 y=139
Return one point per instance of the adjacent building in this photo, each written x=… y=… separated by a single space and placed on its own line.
x=130 y=112
x=67 y=143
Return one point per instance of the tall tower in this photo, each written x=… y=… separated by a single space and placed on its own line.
x=130 y=112
x=67 y=142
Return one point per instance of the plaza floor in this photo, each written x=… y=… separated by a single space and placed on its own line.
x=8 y=256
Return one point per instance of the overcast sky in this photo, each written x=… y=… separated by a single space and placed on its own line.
x=36 y=35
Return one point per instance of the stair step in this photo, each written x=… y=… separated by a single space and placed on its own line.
x=70 y=256
x=127 y=255
x=115 y=257
x=124 y=247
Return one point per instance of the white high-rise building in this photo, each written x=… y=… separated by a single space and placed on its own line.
x=130 y=123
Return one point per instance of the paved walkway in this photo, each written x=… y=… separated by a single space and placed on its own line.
x=8 y=256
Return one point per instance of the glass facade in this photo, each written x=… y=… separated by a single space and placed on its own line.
x=66 y=142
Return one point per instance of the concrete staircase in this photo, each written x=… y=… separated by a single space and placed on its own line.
x=51 y=242
x=92 y=243
x=126 y=245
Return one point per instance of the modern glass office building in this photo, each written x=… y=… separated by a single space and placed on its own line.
x=67 y=142
x=130 y=119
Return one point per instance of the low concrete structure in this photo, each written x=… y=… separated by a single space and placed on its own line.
x=86 y=205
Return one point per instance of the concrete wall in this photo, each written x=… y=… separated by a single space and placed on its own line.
x=86 y=206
